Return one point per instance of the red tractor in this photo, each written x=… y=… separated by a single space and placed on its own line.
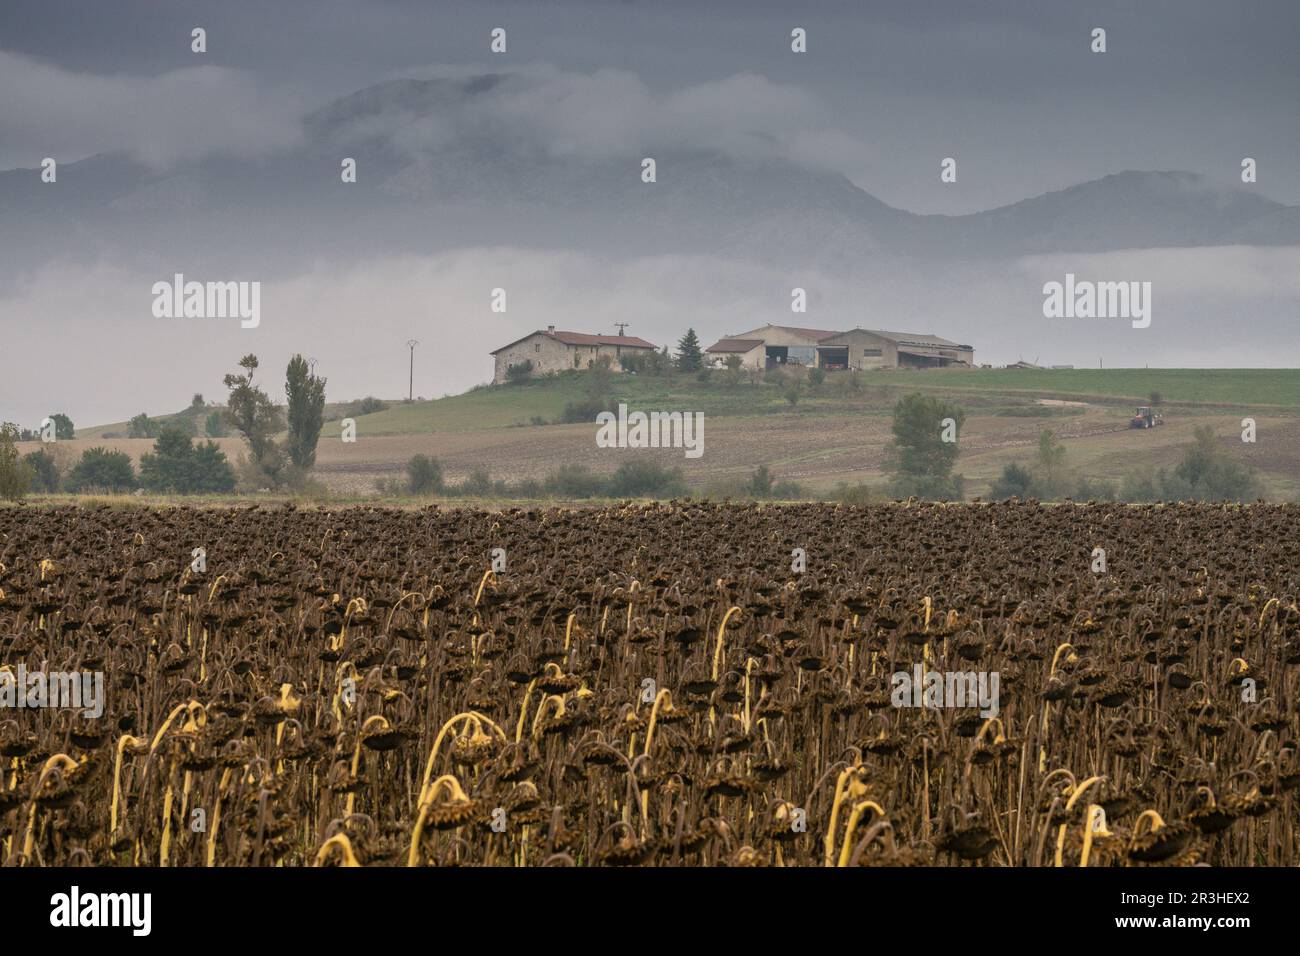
x=1146 y=417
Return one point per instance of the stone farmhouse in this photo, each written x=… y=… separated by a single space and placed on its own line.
x=553 y=350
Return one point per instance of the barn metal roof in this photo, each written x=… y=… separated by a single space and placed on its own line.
x=734 y=345
x=920 y=339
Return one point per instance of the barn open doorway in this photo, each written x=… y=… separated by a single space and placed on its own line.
x=833 y=357
x=777 y=355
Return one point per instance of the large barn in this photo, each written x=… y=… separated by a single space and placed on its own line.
x=774 y=345
x=553 y=350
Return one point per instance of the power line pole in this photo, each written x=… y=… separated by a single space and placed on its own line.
x=410 y=393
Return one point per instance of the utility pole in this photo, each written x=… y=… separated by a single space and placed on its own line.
x=621 y=327
x=410 y=393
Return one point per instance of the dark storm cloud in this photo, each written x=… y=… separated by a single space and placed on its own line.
x=1010 y=89
x=885 y=92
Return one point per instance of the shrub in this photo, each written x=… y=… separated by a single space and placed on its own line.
x=1206 y=473
x=760 y=483
x=15 y=476
x=364 y=406
x=1094 y=489
x=178 y=466
x=519 y=373
x=816 y=377
x=859 y=494
x=529 y=488
x=584 y=409
x=44 y=471
x=733 y=373
x=642 y=478
x=574 y=481
x=786 y=490
x=478 y=484
x=101 y=470
x=930 y=487
x=424 y=475
x=1016 y=482
x=1139 y=488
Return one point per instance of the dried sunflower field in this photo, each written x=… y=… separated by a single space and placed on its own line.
x=653 y=685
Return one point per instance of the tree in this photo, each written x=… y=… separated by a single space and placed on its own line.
x=44 y=470
x=920 y=459
x=101 y=470
x=250 y=412
x=816 y=376
x=215 y=426
x=732 y=365
x=657 y=363
x=306 y=394
x=197 y=402
x=15 y=476
x=689 y=356
x=760 y=482
x=63 y=430
x=1050 y=459
x=178 y=466
x=142 y=426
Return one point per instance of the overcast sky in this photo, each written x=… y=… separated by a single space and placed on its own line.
x=1009 y=88
x=885 y=91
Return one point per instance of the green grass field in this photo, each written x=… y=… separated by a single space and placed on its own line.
x=1237 y=387
x=998 y=391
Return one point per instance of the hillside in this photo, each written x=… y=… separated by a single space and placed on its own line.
x=835 y=434
x=1001 y=389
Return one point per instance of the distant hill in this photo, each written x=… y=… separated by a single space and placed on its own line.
x=419 y=191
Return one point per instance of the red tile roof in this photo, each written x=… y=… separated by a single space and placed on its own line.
x=582 y=338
